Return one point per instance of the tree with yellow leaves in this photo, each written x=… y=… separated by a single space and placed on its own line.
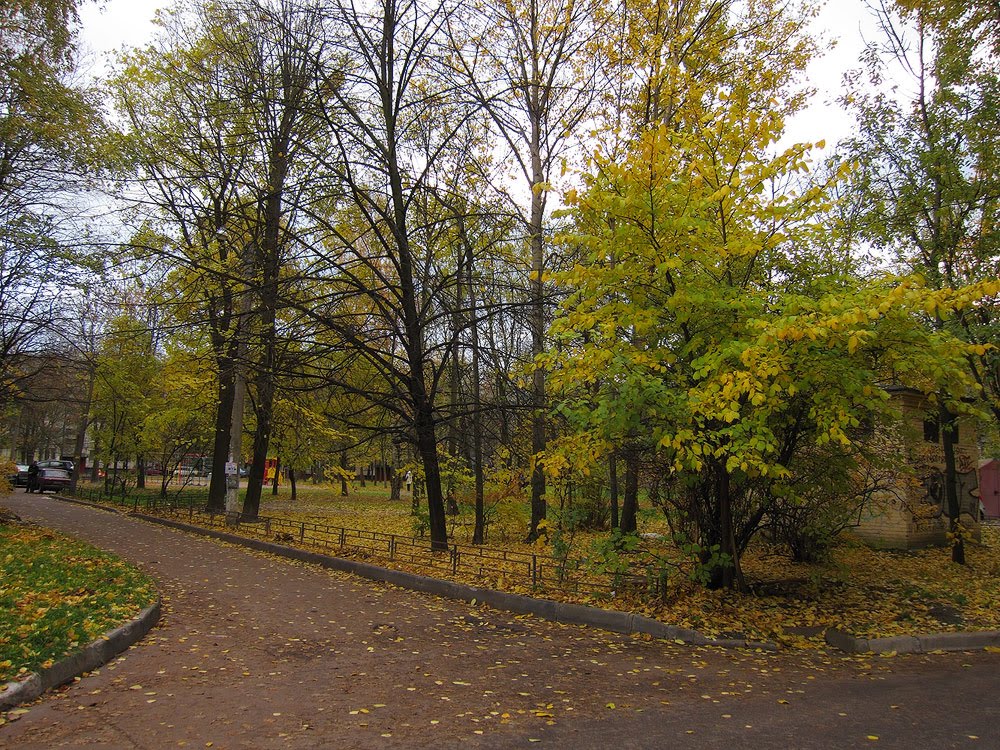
x=708 y=324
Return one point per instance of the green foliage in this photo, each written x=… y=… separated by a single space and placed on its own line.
x=928 y=149
x=420 y=520
x=613 y=554
x=179 y=420
x=456 y=476
x=49 y=131
x=302 y=434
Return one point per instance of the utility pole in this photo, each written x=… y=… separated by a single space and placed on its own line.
x=235 y=445
x=239 y=399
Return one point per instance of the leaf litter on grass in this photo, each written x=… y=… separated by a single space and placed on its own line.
x=57 y=594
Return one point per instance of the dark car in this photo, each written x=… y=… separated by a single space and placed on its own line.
x=52 y=478
x=19 y=479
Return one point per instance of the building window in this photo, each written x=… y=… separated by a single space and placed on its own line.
x=931 y=431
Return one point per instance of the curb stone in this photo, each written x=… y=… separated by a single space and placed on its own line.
x=92 y=656
x=612 y=620
x=914 y=644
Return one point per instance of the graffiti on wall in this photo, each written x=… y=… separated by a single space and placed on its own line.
x=968 y=497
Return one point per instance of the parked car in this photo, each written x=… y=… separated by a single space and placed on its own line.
x=20 y=478
x=54 y=464
x=52 y=478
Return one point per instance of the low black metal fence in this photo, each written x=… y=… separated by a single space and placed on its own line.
x=491 y=566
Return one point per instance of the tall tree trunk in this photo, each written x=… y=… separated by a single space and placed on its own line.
x=269 y=258
x=613 y=488
x=630 y=505
x=265 y=382
x=479 y=531
x=537 y=322
x=275 y=479
x=261 y=441
x=396 y=477
x=236 y=436
x=948 y=422
x=291 y=482
x=424 y=421
x=223 y=426
x=265 y=410
x=343 y=473
x=427 y=448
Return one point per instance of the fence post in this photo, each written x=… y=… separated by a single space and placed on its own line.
x=454 y=559
x=392 y=546
x=267 y=526
x=343 y=533
x=302 y=532
x=534 y=571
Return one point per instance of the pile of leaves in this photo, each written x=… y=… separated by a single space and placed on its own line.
x=57 y=594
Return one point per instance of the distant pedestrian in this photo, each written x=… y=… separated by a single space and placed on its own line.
x=32 y=477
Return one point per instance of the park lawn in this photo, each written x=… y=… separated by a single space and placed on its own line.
x=868 y=593
x=58 y=594
x=370 y=508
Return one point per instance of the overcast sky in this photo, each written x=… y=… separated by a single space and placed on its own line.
x=112 y=23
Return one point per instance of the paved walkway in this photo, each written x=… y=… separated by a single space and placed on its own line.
x=257 y=652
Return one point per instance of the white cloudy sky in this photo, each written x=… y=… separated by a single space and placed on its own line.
x=110 y=24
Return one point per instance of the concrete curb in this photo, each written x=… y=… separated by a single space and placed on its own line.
x=913 y=644
x=573 y=614
x=92 y=656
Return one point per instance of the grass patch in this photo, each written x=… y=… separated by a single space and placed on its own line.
x=57 y=594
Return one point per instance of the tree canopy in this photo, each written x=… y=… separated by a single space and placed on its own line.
x=537 y=241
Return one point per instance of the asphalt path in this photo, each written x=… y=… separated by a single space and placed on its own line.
x=254 y=651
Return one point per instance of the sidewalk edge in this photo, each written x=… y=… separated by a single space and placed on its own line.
x=92 y=656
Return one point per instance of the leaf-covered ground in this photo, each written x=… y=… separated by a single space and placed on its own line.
x=57 y=594
x=868 y=593
x=865 y=592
